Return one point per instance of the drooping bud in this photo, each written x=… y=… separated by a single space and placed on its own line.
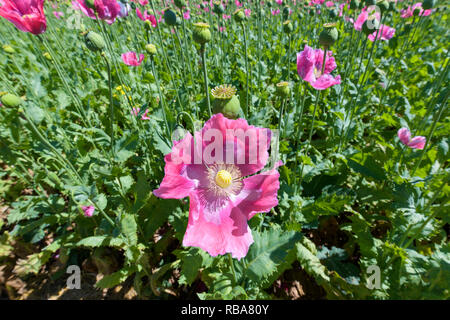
x=90 y=4
x=170 y=17
x=180 y=3
x=428 y=4
x=282 y=89
x=354 y=4
x=370 y=26
x=94 y=41
x=8 y=49
x=11 y=100
x=226 y=101
x=329 y=35
x=151 y=49
x=201 y=33
x=239 y=15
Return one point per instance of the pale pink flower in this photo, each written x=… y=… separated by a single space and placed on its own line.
x=107 y=10
x=385 y=33
x=409 y=12
x=238 y=4
x=280 y=2
x=309 y=68
x=145 y=16
x=275 y=12
x=58 y=14
x=130 y=58
x=329 y=4
x=144 y=116
x=417 y=142
x=187 y=14
x=88 y=210
x=247 y=12
x=218 y=212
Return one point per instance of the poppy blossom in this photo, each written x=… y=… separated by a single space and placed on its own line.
x=26 y=15
x=417 y=142
x=130 y=58
x=107 y=10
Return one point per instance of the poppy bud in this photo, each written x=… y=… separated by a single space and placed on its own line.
x=151 y=49
x=354 y=4
x=329 y=35
x=170 y=17
x=283 y=90
x=8 y=49
x=370 y=25
x=90 y=4
x=239 y=15
x=311 y=12
x=428 y=4
x=94 y=41
x=225 y=101
x=201 y=33
x=383 y=5
x=218 y=8
x=288 y=27
x=180 y=3
x=11 y=100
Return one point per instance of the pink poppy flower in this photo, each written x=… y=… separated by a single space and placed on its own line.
x=106 y=10
x=309 y=68
x=144 y=116
x=187 y=14
x=218 y=174
x=280 y=2
x=409 y=12
x=247 y=12
x=58 y=14
x=146 y=17
x=417 y=142
x=329 y=4
x=130 y=58
x=385 y=33
x=26 y=15
x=275 y=12
x=226 y=17
x=88 y=210
x=238 y=4
x=143 y=2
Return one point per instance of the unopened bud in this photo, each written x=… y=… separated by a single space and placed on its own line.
x=170 y=17
x=11 y=100
x=94 y=41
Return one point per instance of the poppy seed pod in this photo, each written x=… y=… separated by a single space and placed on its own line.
x=428 y=4
x=354 y=4
x=332 y=13
x=11 y=100
x=286 y=11
x=218 y=8
x=180 y=3
x=282 y=89
x=239 y=15
x=226 y=101
x=288 y=27
x=311 y=12
x=170 y=17
x=8 y=49
x=329 y=35
x=201 y=33
x=94 y=41
x=370 y=25
x=151 y=49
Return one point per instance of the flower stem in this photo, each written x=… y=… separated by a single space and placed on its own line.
x=205 y=77
x=247 y=107
x=232 y=267
x=111 y=105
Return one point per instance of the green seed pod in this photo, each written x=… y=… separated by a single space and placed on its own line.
x=286 y=11
x=329 y=35
x=283 y=90
x=384 y=6
x=11 y=100
x=311 y=12
x=269 y=4
x=370 y=26
x=226 y=102
x=218 y=8
x=288 y=27
x=354 y=4
x=428 y=4
x=239 y=15
x=180 y=3
x=151 y=49
x=170 y=17
x=90 y=4
x=94 y=41
x=8 y=49
x=201 y=33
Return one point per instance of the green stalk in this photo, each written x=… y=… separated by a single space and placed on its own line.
x=111 y=105
x=247 y=107
x=205 y=77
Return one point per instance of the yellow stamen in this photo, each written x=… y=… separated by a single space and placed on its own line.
x=223 y=179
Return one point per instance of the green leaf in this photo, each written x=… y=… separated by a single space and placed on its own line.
x=113 y=279
x=129 y=229
x=125 y=147
x=268 y=251
x=100 y=241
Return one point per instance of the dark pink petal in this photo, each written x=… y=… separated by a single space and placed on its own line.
x=417 y=142
x=404 y=135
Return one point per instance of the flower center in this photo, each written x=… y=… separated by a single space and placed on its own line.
x=317 y=72
x=223 y=179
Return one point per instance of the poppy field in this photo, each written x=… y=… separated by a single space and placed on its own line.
x=174 y=149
